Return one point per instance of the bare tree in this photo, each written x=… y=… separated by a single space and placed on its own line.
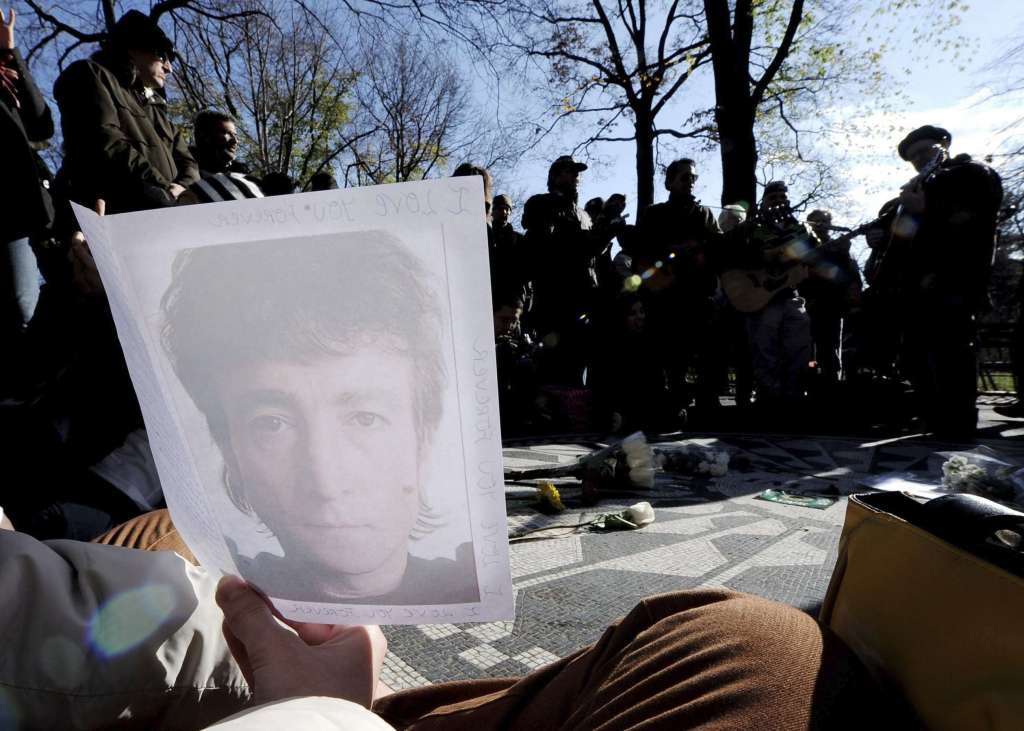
x=413 y=109
x=61 y=31
x=616 y=66
x=281 y=71
x=1007 y=72
x=782 y=63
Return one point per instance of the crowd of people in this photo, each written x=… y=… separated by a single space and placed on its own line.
x=647 y=338
x=600 y=324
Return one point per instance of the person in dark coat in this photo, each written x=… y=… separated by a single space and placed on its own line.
x=122 y=154
x=119 y=144
x=831 y=289
x=947 y=230
x=27 y=210
x=562 y=245
x=627 y=373
x=674 y=254
x=507 y=258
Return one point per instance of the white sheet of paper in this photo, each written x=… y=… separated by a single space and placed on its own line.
x=317 y=377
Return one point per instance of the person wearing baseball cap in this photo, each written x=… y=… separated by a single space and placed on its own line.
x=562 y=245
x=946 y=233
x=564 y=163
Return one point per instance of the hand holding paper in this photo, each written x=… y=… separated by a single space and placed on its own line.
x=315 y=660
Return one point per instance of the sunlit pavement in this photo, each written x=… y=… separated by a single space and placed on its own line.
x=571 y=583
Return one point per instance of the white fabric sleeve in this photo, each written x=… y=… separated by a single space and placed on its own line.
x=99 y=636
x=310 y=714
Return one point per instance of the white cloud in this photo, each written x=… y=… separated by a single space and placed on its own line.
x=979 y=124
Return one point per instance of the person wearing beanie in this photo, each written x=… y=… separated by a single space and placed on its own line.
x=120 y=146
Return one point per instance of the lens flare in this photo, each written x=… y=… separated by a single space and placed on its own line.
x=905 y=227
x=63 y=661
x=130 y=618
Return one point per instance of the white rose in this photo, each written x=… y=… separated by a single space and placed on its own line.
x=640 y=514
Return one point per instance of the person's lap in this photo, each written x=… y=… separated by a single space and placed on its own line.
x=708 y=658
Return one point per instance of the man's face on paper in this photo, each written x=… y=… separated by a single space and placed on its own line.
x=326 y=453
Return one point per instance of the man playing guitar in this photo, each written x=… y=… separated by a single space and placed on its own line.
x=674 y=253
x=779 y=331
x=944 y=232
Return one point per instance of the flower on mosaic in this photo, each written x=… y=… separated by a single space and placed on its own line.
x=635 y=445
x=693 y=459
x=640 y=461
x=961 y=474
x=642 y=476
x=640 y=513
x=548 y=494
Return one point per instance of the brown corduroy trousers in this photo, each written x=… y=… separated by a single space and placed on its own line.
x=702 y=659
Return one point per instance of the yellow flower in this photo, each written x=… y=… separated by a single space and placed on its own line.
x=548 y=493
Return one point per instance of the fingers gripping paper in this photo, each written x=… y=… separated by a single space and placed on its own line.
x=316 y=374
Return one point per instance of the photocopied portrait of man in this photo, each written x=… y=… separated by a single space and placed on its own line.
x=317 y=363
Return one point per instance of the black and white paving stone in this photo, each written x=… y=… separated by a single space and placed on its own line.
x=707 y=533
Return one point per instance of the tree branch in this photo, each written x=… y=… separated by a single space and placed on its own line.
x=795 y=16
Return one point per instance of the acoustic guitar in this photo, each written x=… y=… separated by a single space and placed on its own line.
x=788 y=264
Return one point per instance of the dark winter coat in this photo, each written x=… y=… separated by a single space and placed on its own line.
x=683 y=227
x=119 y=145
x=562 y=252
x=950 y=256
x=27 y=210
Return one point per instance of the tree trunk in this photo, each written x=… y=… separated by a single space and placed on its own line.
x=109 y=16
x=738 y=151
x=644 y=162
x=734 y=107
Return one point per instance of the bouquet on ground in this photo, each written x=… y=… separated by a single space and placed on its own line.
x=629 y=462
x=693 y=460
x=985 y=472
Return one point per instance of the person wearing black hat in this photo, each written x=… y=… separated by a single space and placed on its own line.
x=946 y=233
x=121 y=153
x=120 y=147
x=563 y=245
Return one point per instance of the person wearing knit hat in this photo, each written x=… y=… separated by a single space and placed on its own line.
x=121 y=153
x=120 y=145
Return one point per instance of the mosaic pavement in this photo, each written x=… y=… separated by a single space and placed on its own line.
x=571 y=583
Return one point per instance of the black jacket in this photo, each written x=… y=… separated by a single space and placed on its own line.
x=118 y=145
x=27 y=210
x=950 y=256
x=561 y=248
x=689 y=230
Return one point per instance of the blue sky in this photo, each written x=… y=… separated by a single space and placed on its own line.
x=938 y=92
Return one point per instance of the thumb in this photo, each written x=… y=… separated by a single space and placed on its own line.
x=250 y=619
